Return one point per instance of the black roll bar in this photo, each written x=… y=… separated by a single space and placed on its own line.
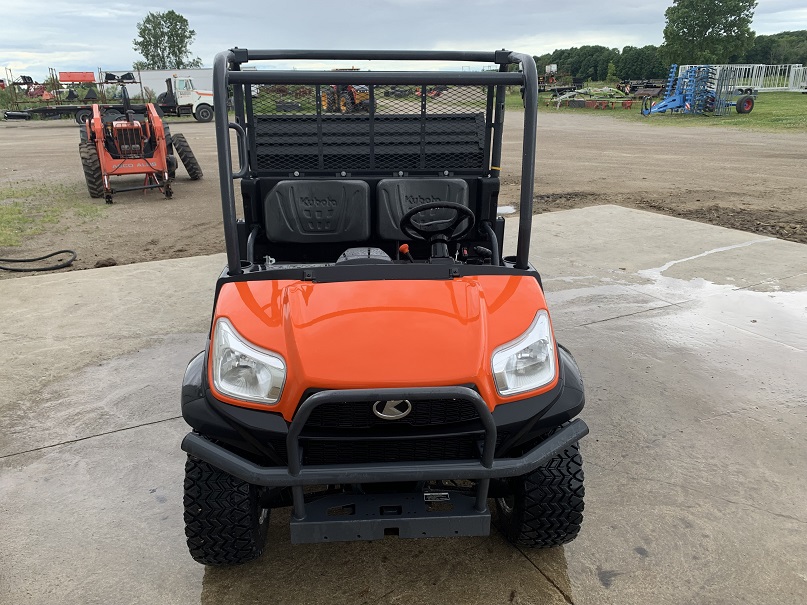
x=227 y=71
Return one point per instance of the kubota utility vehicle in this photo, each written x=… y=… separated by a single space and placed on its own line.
x=374 y=361
x=131 y=140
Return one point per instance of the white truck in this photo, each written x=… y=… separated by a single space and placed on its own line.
x=183 y=98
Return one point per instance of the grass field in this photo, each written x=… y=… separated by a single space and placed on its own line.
x=773 y=111
x=26 y=209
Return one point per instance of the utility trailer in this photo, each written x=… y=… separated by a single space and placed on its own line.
x=66 y=104
x=79 y=113
x=374 y=360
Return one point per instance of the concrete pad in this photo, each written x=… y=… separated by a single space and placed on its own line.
x=691 y=339
x=60 y=330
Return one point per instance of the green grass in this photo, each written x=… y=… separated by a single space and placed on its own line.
x=773 y=111
x=27 y=208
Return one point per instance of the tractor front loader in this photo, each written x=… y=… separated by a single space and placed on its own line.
x=131 y=140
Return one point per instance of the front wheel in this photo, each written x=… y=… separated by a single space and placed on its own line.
x=546 y=505
x=224 y=521
x=204 y=113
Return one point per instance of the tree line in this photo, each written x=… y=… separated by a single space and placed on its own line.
x=653 y=62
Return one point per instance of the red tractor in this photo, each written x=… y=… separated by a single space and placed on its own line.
x=131 y=140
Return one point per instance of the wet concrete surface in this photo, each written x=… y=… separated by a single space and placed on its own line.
x=693 y=343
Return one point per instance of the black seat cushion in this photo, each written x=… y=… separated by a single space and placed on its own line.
x=318 y=212
x=396 y=197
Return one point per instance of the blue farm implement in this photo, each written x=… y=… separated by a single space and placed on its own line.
x=702 y=90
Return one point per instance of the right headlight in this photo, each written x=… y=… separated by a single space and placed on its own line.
x=244 y=371
x=528 y=362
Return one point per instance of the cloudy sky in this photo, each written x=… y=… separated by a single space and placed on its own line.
x=83 y=36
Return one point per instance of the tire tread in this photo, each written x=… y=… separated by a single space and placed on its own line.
x=92 y=168
x=549 y=503
x=220 y=516
x=185 y=154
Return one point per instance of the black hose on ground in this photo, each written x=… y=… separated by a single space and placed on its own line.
x=61 y=265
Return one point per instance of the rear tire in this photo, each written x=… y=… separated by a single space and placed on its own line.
x=346 y=103
x=204 y=113
x=328 y=101
x=224 y=522
x=92 y=169
x=745 y=104
x=546 y=508
x=186 y=155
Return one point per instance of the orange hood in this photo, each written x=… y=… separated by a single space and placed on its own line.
x=378 y=334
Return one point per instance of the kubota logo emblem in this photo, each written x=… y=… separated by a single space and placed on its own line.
x=394 y=409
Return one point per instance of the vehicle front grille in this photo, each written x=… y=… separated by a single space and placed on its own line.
x=351 y=433
x=359 y=415
x=461 y=447
x=347 y=451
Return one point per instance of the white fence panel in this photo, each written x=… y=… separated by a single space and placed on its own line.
x=766 y=78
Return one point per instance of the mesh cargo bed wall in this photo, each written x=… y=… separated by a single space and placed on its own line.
x=399 y=129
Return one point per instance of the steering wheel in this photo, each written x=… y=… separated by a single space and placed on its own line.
x=438 y=229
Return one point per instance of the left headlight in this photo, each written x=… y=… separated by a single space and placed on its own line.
x=528 y=362
x=244 y=371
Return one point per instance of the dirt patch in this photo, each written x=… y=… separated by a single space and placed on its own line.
x=788 y=224
x=744 y=180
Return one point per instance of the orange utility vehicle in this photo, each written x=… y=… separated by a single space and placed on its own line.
x=374 y=360
x=131 y=140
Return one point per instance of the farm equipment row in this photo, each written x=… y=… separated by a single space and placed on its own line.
x=84 y=92
x=593 y=98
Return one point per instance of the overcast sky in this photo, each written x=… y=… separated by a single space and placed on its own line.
x=82 y=36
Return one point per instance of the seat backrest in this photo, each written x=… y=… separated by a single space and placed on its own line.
x=356 y=143
x=396 y=197
x=324 y=211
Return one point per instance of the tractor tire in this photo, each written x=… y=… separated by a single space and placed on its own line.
x=327 y=100
x=546 y=508
x=161 y=98
x=224 y=521
x=346 y=103
x=171 y=157
x=186 y=155
x=171 y=160
x=82 y=115
x=204 y=113
x=745 y=104
x=92 y=169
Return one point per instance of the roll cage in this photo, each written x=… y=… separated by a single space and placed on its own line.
x=297 y=143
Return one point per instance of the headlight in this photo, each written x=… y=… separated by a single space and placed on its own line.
x=244 y=371
x=528 y=362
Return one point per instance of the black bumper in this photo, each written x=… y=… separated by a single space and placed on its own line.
x=253 y=473
x=239 y=442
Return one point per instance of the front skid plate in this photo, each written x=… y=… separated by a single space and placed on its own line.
x=345 y=517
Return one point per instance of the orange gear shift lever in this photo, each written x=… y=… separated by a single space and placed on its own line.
x=404 y=249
